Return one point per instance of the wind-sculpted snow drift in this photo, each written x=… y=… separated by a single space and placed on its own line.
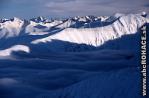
x=80 y=57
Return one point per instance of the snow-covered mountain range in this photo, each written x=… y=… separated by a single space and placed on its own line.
x=79 y=57
x=88 y=30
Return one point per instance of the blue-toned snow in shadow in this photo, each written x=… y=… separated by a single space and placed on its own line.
x=54 y=70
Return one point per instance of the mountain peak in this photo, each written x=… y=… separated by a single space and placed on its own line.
x=15 y=19
x=39 y=19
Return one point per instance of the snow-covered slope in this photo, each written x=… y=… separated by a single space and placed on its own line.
x=80 y=57
x=11 y=28
x=8 y=52
x=97 y=36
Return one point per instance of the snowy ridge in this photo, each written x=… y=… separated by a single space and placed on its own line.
x=97 y=36
x=8 y=52
x=73 y=30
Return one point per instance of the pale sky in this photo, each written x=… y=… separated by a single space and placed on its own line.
x=69 y=8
